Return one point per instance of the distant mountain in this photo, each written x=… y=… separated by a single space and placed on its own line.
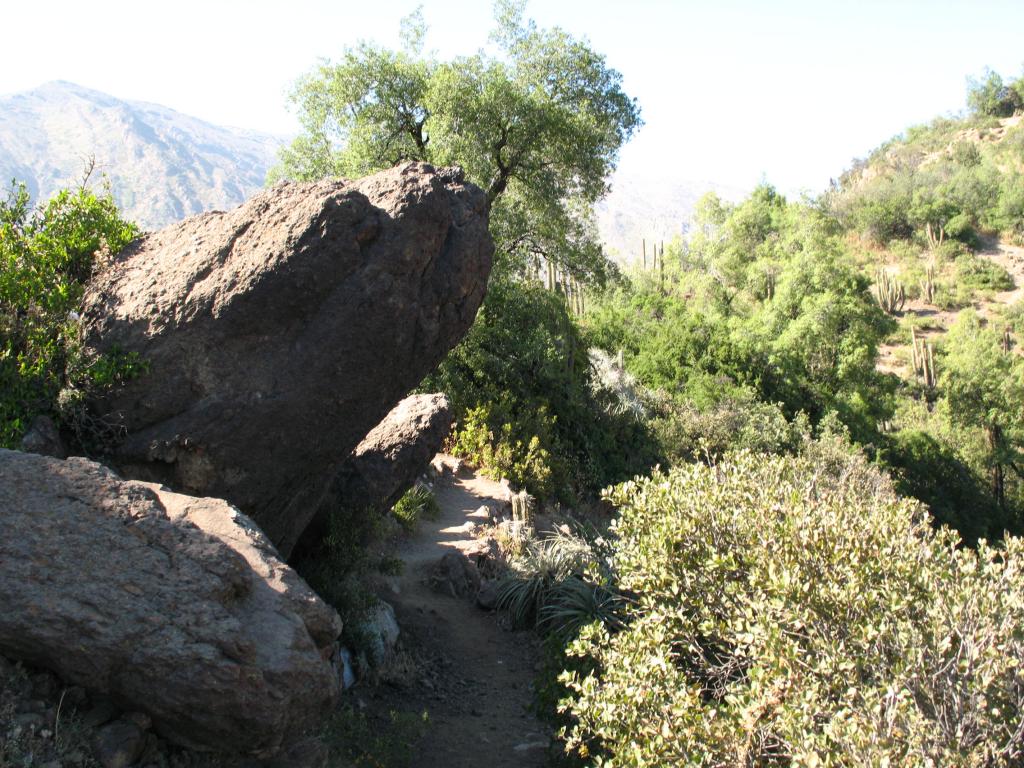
x=162 y=165
x=651 y=209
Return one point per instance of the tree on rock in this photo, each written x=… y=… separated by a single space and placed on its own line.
x=538 y=125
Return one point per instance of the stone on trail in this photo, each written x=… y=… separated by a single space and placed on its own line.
x=387 y=462
x=277 y=335
x=174 y=606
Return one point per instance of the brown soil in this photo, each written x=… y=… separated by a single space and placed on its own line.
x=473 y=677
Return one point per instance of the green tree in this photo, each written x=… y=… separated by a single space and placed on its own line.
x=984 y=388
x=990 y=96
x=538 y=125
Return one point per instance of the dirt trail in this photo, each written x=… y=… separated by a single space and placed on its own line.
x=475 y=678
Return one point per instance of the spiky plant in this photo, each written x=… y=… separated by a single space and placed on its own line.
x=573 y=603
x=418 y=502
x=558 y=584
x=889 y=292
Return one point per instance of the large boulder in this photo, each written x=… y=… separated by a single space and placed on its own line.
x=387 y=462
x=175 y=606
x=277 y=335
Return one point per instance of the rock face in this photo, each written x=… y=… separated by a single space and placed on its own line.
x=177 y=607
x=277 y=335
x=388 y=461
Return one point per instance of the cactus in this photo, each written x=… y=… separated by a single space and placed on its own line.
x=523 y=506
x=889 y=292
x=928 y=284
x=644 y=244
x=935 y=236
x=923 y=360
x=661 y=271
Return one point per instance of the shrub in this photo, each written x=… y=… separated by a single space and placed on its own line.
x=795 y=611
x=46 y=255
x=417 y=503
x=739 y=420
x=975 y=272
x=528 y=406
x=931 y=472
x=526 y=465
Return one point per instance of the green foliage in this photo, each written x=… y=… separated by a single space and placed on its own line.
x=355 y=738
x=990 y=96
x=335 y=564
x=974 y=273
x=418 y=503
x=794 y=611
x=983 y=388
x=942 y=180
x=527 y=404
x=538 y=125
x=46 y=255
x=688 y=432
x=559 y=584
x=503 y=455
x=929 y=470
x=768 y=301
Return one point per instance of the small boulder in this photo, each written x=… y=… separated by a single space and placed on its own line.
x=488 y=558
x=380 y=630
x=118 y=744
x=44 y=438
x=455 y=575
x=386 y=463
x=487 y=596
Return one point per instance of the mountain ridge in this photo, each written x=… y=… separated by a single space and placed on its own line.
x=162 y=165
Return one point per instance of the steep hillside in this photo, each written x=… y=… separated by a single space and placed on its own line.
x=938 y=212
x=162 y=165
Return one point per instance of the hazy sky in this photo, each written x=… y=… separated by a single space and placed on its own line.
x=732 y=92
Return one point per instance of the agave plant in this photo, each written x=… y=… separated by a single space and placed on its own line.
x=574 y=602
x=558 y=585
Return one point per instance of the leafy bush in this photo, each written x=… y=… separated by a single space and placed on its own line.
x=930 y=471
x=795 y=611
x=503 y=456
x=977 y=273
x=990 y=96
x=46 y=255
x=527 y=404
x=417 y=503
x=335 y=562
x=687 y=432
x=354 y=737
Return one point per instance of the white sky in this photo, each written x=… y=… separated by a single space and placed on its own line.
x=731 y=91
